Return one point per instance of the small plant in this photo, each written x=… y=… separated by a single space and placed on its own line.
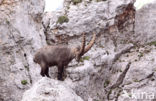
x=26 y=67
x=106 y=83
x=155 y=70
x=62 y=19
x=140 y=54
x=152 y=43
x=130 y=95
x=84 y=58
x=76 y=1
x=95 y=100
x=7 y=21
x=101 y=46
x=136 y=80
x=68 y=7
x=100 y=0
x=135 y=60
x=24 y=82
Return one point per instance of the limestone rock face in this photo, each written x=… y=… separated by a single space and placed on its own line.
x=120 y=65
x=21 y=33
x=91 y=16
x=48 y=89
x=145 y=23
x=122 y=52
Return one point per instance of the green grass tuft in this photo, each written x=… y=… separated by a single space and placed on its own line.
x=24 y=82
x=84 y=58
x=136 y=80
x=100 y=0
x=62 y=19
x=76 y=1
x=140 y=54
x=152 y=43
x=107 y=82
x=7 y=21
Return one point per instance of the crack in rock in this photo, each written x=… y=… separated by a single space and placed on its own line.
x=119 y=80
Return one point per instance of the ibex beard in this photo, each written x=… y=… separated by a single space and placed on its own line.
x=60 y=56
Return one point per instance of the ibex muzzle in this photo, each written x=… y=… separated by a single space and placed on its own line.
x=60 y=56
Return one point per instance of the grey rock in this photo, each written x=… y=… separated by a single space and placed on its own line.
x=21 y=33
x=145 y=23
x=48 y=89
x=121 y=39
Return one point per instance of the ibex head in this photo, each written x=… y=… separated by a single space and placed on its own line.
x=79 y=51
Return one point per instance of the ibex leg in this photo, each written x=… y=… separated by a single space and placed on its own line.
x=60 y=72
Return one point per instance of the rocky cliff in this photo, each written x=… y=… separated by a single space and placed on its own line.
x=119 y=67
x=21 y=33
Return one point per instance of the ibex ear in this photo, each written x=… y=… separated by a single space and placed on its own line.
x=77 y=53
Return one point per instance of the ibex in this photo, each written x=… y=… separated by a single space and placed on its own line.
x=60 y=56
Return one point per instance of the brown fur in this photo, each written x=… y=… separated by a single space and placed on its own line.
x=59 y=56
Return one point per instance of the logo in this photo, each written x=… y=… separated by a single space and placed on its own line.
x=136 y=94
